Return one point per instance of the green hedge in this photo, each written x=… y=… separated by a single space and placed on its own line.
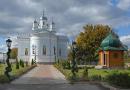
x=118 y=79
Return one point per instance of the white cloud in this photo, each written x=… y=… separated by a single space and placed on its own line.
x=3 y=48
x=116 y=22
x=69 y=15
x=126 y=40
x=94 y=13
x=124 y=4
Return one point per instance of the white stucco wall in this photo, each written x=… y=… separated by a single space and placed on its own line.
x=47 y=38
x=43 y=33
x=62 y=42
x=43 y=39
x=22 y=44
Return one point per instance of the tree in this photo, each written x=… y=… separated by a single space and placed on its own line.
x=33 y=62
x=17 y=63
x=89 y=41
x=14 y=53
x=21 y=62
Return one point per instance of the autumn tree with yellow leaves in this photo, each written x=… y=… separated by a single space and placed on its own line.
x=89 y=41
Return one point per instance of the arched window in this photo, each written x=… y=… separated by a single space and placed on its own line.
x=44 y=50
x=60 y=52
x=43 y=23
x=26 y=51
x=33 y=49
x=54 y=50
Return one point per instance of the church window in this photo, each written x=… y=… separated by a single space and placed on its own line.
x=26 y=51
x=43 y=23
x=44 y=50
x=54 y=50
x=33 y=49
x=60 y=52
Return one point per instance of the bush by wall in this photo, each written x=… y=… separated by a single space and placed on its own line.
x=17 y=65
x=21 y=62
x=118 y=79
x=33 y=62
x=85 y=73
x=63 y=63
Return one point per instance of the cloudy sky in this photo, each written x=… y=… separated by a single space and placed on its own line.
x=69 y=15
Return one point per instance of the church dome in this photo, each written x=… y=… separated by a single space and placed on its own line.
x=111 y=41
x=44 y=18
x=35 y=21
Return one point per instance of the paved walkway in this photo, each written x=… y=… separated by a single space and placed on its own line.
x=51 y=87
x=43 y=74
x=46 y=77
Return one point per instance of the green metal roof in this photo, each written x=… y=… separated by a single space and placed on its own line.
x=112 y=42
x=112 y=48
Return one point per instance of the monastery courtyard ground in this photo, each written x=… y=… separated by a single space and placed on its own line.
x=46 y=77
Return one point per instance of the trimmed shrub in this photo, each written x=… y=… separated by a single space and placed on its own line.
x=72 y=78
x=65 y=64
x=26 y=63
x=21 y=63
x=119 y=79
x=17 y=65
x=85 y=73
x=58 y=61
x=33 y=62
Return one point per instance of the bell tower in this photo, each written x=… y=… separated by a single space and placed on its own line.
x=43 y=21
x=35 y=25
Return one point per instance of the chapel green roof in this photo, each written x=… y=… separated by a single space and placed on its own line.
x=112 y=42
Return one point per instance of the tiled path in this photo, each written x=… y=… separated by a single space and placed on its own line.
x=43 y=74
x=46 y=77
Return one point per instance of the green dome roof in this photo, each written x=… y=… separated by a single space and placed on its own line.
x=111 y=41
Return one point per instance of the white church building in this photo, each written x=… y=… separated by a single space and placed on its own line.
x=43 y=44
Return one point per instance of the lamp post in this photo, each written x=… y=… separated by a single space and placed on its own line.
x=8 y=68
x=74 y=65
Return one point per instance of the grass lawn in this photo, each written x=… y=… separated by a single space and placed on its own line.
x=103 y=73
x=15 y=72
x=127 y=60
x=91 y=72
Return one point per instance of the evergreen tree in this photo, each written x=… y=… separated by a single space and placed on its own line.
x=17 y=64
x=21 y=63
x=32 y=63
